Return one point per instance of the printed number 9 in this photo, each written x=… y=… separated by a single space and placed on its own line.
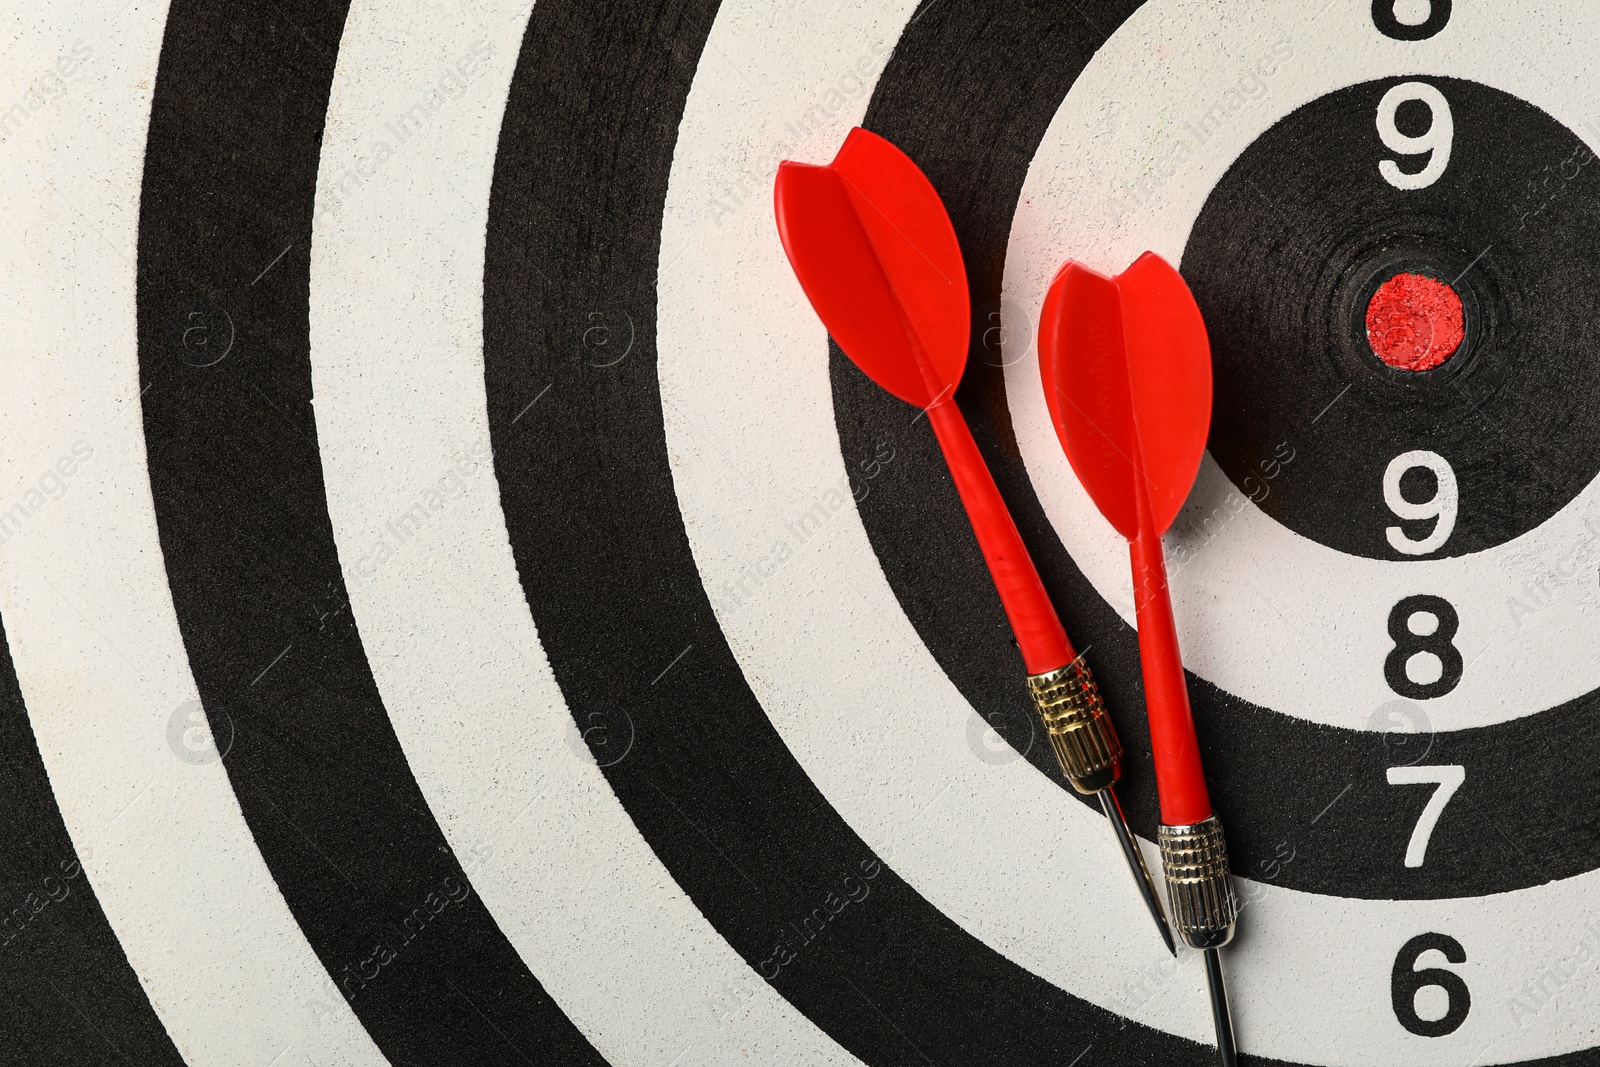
x=1437 y=139
x=1442 y=505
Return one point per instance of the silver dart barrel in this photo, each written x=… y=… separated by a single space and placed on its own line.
x=1204 y=909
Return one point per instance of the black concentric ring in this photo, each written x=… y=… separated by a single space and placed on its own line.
x=225 y=223
x=605 y=562
x=70 y=994
x=1299 y=232
x=587 y=491
x=1282 y=785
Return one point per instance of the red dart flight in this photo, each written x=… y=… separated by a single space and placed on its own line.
x=1126 y=367
x=874 y=250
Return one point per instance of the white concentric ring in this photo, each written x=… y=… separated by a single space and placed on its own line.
x=87 y=608
x=1264 y=612
x=397 y=361
x=864 y=707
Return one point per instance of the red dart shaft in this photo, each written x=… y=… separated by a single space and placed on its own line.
x=1179 y=778
x=1080 y=731
x=1039 y=633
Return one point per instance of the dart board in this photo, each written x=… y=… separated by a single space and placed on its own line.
x=459 y=608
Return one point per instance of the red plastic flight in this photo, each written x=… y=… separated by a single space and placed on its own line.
x=875 y=252
x=1127 y=376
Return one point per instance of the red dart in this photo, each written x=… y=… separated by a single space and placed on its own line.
x=1127 y=377
x=874 y=250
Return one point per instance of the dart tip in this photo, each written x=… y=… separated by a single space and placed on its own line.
x=1136 y=866
x=1221 y=1017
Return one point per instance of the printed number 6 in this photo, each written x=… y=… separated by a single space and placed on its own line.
x=1406 y=981
x=1437 y=139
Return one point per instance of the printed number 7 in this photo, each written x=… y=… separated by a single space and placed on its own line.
x=1448 y=779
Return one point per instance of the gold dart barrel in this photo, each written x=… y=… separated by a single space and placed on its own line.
x=1199 y=888
x=1090 y=754
x=1080 y=730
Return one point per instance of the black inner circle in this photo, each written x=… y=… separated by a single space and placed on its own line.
x=1284 y=259
x=1306 y=806
x=1413 y=118
x=1418 y=484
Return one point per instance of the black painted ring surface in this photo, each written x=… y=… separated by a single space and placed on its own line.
x=1298 y=233
x=605 y=562
x=236 y=478
x=587 y=489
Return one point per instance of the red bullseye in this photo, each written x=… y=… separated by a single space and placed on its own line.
x=1414 y=322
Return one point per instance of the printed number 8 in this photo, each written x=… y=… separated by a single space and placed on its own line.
x=1436 y=643
x=1387 y=15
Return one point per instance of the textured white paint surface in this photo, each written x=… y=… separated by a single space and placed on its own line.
x=860 y=701
x=397 y=361
x=1265 y=613
x=83 y=586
